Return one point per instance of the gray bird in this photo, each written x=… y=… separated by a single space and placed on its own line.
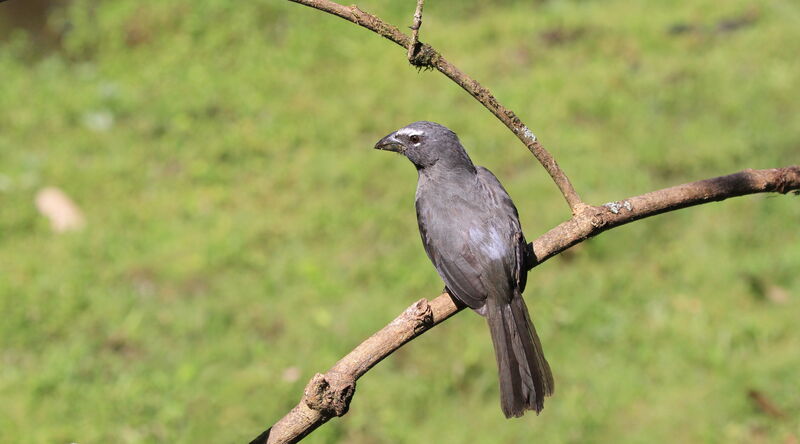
x=471 y=232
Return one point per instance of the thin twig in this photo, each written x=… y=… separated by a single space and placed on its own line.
x=412 y=48
x=428 y=57
x=329 y=395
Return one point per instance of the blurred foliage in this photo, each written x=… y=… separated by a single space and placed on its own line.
x=243 y=235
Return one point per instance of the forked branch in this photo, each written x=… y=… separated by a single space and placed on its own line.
x=329 y=395
x=425 y=56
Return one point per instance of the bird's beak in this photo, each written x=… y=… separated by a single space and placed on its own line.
x=391 y=143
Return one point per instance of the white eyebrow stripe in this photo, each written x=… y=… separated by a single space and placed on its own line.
x=409 y=132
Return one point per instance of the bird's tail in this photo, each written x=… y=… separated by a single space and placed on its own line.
x=525 y=377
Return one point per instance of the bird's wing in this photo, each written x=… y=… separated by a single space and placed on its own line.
x=444 y=234
x=507 y=219
x=474 y=240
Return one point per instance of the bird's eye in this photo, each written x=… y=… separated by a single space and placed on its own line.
x=414 y=139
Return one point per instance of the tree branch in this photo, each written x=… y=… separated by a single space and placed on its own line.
x=428 y=57
x=593 y=220
x=329 y=395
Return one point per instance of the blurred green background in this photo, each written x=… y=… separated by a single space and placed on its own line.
x=241 y=234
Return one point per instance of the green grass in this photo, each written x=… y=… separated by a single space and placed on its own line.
x=239 y=223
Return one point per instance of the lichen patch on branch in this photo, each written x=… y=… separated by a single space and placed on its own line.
x=616 y=207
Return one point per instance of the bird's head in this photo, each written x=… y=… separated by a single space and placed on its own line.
x=427 y=144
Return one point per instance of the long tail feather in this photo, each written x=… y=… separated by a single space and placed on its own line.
x=525 y=376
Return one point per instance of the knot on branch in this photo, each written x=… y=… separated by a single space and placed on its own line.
x=423 y=56
x=789 y=180
x=596 y=217
x=420 y=315
x=330 y=394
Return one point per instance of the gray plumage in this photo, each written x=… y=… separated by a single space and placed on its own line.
x=471 y=232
